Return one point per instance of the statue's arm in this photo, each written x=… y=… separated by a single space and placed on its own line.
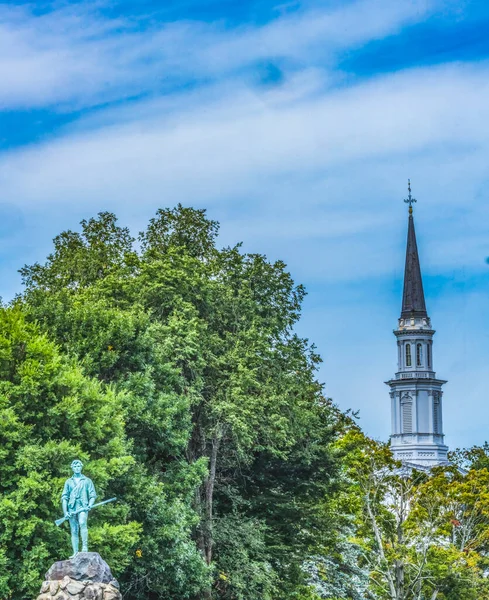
x=64 y=499
x=92 y=494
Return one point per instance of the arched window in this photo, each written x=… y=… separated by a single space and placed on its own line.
x=428 y=353
x=408 y=355
x=419 y=355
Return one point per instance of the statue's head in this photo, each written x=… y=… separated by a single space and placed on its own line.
x=77 y=466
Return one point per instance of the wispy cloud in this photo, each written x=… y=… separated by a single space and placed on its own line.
x=241 y=138
x=258 y=123
x=308 y=150
x=77 y=56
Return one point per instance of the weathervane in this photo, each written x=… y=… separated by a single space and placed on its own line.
x=409 y=200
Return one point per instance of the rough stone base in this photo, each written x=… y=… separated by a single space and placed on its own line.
x=70 y=589
x=85 y=577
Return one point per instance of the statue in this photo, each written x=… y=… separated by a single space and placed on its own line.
x=78 y=498
x=86 y=576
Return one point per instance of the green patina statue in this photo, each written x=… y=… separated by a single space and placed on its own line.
x=78 y=498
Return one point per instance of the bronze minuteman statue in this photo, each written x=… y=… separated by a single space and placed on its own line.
x=78 y=498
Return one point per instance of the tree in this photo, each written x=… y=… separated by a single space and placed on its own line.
x=50 y=414
x=422 y=534
x=221 y=395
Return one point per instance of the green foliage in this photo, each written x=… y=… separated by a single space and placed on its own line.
x=422 y=535
x=243 y=572
x=178 y=378
x=51 y=413
x=219 y=395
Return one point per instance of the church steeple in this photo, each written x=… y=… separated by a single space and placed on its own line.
x=413 y=302
x=416 y=392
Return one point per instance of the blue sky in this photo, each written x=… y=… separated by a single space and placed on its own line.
x=296 y=124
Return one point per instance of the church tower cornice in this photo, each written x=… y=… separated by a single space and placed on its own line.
x=405 y=331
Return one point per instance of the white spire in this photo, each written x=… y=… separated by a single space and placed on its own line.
x=416 y=393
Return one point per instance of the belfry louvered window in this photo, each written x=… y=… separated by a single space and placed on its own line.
x=419 y=355
x=407 y=415
x=408 y=355
x=428 y=355
x=436 y=415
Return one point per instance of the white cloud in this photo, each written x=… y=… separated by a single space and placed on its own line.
x=306 y=171
x=301 y=36
x=74 y=56
x=246 y=141
x=301 y=173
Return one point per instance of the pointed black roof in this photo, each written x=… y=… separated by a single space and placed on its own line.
x=413 y=303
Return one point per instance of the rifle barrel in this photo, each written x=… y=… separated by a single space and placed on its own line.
x=77 y=512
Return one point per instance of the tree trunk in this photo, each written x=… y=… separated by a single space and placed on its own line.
x=380 y=545
x=195 y=450
x=399 y=566
x=399 y=570
x=209 y=495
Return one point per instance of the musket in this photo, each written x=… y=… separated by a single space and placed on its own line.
x=80 y=510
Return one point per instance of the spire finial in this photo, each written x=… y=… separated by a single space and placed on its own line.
x=409 y=200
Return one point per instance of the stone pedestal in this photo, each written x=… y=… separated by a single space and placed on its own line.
x=85 y=577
